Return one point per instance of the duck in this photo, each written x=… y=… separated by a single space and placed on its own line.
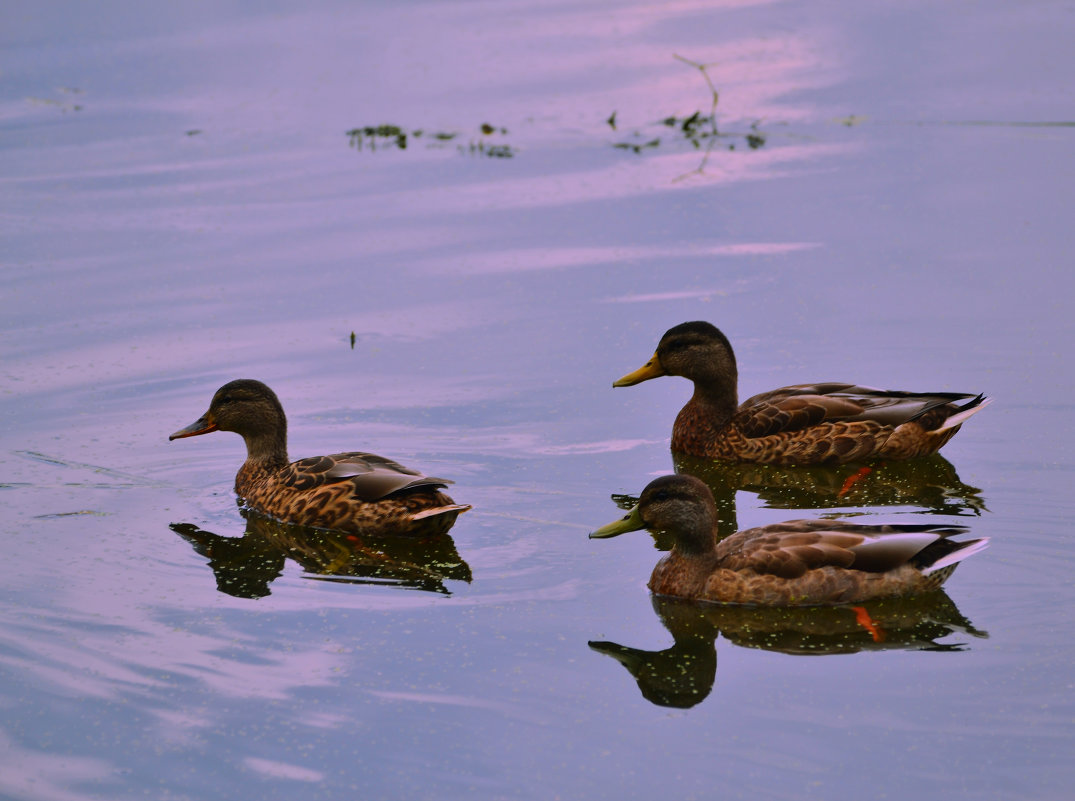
x=790 y=564
x=351 y=492
x=805 y=424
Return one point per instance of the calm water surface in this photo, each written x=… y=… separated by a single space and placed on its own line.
x=885 y=199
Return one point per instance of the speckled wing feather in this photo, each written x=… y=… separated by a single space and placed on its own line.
x=373 y=477
x=788 y=550
x=800 y=406
x=781 y=416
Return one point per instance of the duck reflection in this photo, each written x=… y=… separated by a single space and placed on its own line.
x=683 y=675
x=245 y=566
x=929 y=482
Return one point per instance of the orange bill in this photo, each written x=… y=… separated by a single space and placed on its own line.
x=203 y=425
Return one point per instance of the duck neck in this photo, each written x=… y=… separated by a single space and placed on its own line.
x=716 y=393
x=695 y=536
x=700 y=423
x=267 y=448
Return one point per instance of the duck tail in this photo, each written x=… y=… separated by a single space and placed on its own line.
x=970 y=408
x=451 y=508
x=957 y=554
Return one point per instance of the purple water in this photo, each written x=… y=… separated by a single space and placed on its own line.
x=181 y=205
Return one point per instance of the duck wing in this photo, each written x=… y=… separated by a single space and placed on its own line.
x=803 y=405
x=373 y=477
x=790 y=549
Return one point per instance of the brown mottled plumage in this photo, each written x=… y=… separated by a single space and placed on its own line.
x=796 y=563
x=350 y=492
x=826 y=423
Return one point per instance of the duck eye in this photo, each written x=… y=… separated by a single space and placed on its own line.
x=661 y=496
x=226 y=399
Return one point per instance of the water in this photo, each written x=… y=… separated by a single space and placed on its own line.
x=182 y=205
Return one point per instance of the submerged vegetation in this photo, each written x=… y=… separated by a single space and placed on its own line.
x=67 y=100
x=699 y=128
x=370 y=136
x=393 y=137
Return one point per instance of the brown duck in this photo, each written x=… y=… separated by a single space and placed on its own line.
x=827 y=423
x=350 y=492
x=797 y=563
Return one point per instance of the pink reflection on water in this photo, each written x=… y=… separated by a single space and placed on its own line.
x=230 y=342
x=515 y=57
x=554 y=258
x=625 y=178
x=469 y=702
x=605 y=446
x=35 y=774
x=275 y=769
x=220 y=657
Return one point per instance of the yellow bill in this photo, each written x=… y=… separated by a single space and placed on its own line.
x=630 y=522
x=651 y=369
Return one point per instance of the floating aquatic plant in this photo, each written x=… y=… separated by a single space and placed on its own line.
x=375 y=137
x=699 y=128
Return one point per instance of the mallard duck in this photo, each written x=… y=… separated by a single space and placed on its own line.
x=797 y=563
x=350 y=492
x=827 y=423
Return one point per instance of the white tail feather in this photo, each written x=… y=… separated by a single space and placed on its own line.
x=958 y=418
x=955 y=557
x=440 y=510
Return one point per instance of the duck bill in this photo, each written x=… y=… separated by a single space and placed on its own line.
x=651 y=369
x=203 y=425
x=630 y=522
